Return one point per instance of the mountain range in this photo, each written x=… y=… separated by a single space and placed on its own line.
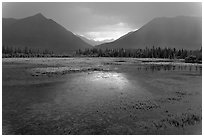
x=94 y=42
x=174 y=32
x=38 y=32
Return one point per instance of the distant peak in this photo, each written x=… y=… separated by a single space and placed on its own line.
x=39 y=15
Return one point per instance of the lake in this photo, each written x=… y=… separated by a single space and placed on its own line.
x=100 y=96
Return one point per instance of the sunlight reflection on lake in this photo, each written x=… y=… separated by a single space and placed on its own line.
x=113 y=79
x=89 y=87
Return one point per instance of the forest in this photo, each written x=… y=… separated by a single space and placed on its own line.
x=192 y=56
x=154 y=52
x=10 y=52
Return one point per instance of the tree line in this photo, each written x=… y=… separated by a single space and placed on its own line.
x=11 y=52
x=153 y=52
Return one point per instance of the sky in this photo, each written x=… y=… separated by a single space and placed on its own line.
x=101 y=20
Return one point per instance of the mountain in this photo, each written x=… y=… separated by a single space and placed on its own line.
x=126 y=35
x=38 y=32
x=94 y=42
x=174 y=32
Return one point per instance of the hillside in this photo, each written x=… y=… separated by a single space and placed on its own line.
x=174 y=32
x=38 y=32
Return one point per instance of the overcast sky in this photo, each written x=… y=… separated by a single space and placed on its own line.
x=101 y=21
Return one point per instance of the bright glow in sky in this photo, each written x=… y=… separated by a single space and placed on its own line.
x=109 y=32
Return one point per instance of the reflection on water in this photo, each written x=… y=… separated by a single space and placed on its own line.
x=114 y=79
x=89 y=88
x=170 y=67
x=99 y=84
x=139 y=82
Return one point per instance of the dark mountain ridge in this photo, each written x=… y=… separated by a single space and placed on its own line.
x=174 y=32
x=39 y=32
